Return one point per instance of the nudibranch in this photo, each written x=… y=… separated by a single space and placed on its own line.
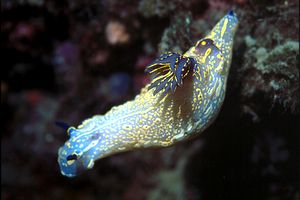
x=183 y=98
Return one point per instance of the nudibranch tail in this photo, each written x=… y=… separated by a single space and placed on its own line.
x=183 y=98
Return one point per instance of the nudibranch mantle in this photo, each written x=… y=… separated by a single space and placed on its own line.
x=183 y=98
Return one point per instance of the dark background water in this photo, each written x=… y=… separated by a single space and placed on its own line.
x=70 y=60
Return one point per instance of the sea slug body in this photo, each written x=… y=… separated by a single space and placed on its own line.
x=183 y=98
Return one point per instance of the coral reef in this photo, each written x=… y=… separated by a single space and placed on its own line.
x=59 y=64
x=274 y=74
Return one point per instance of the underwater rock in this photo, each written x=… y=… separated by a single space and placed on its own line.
x=177 y=37
x=275 y=74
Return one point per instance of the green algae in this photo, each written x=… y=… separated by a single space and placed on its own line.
x=249 y=41
x=281 y=60
x=276 y=73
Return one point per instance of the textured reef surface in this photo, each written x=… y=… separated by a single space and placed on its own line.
x=70 y=60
